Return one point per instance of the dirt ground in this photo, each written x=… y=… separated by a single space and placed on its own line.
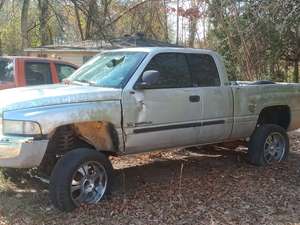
x=207 y=185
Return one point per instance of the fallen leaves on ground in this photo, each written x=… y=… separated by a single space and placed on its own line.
x=204 y=185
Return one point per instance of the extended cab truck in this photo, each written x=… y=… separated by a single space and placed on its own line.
x=19 y=71
x=135 y=100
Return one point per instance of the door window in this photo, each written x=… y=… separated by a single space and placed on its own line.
x=37 y=73
x=204 y=70
x=6 y=70
x=64 y=71
x=174 y=71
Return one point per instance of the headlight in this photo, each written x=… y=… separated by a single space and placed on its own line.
x=14 y=127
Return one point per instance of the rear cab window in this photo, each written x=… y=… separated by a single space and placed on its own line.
x=64 y=71
x=37 y=73
x=6 y=70
x=204 y=70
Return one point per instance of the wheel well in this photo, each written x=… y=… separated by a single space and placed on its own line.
x=279 y=115
x=101 y=136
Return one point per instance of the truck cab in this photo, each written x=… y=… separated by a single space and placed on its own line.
x=191 y=83
x=27 y=71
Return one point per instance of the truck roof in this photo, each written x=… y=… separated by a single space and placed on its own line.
x=164 y=49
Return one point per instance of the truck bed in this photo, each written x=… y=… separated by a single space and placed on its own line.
x=251 y=98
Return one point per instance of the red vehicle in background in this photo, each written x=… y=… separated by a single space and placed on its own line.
x=16 y=71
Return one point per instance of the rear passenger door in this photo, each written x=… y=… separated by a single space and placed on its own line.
x=37 y=73
x=216 y=99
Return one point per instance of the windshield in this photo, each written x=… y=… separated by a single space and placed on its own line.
x=110 y=69
x=6 y=71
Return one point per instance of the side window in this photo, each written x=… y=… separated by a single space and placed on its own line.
x=64 y=71
x=37 y=73
x=204 y=70
x=6 y=70
x=173 y=68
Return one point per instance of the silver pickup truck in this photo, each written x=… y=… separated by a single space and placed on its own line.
x=135 y=100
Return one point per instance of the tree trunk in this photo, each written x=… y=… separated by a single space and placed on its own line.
x=192 y=32
x=166 y=26
x=24 y=23
x=272 y=70
x=296 y=71
x=1 y=53
x=193 y=26
x=297 y=55
x=1 y=3
x=177 y=23
x=89 y=20
x=43 y=18
x=78 y=19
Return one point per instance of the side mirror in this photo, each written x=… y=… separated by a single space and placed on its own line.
x=149 y=78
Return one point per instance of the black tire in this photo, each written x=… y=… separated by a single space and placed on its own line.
x=256 y=152
x=62 y=176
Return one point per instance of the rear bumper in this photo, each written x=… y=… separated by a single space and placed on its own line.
x=21 y=152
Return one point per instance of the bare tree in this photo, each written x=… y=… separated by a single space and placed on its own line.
x=91 y=13
x=43 y=19
x=1 y=3
x=177 y=22
x=166 y=21
x=24 y=23
x=193 y=21
x=76 y=9
x=128 y=10
x=1 y=6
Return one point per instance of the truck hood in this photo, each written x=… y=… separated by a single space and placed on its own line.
x=55 y=94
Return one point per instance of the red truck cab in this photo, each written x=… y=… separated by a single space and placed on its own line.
x=17 y=71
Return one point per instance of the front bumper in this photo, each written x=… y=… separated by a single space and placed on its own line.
x=21 y=152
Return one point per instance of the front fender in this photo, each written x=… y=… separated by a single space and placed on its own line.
x=51 y=117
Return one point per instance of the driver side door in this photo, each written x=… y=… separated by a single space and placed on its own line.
x=167 y=113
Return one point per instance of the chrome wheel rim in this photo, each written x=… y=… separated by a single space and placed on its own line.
x=274 y=147
x=88 y=184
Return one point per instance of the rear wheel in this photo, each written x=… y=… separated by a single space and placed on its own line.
x=82 y=176
x=268 y=144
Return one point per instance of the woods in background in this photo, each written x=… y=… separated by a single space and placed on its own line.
x=259 y=39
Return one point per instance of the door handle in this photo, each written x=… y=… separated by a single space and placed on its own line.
x=194 y=98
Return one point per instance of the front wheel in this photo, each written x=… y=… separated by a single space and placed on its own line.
x=268 y=144
x=82 y=176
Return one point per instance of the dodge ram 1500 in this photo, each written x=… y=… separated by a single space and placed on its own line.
x=135 y=100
